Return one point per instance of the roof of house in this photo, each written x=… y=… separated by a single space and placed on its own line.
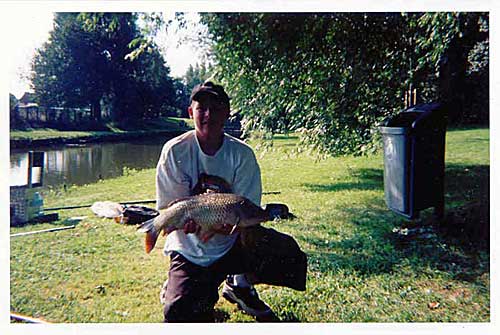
x=28 y=105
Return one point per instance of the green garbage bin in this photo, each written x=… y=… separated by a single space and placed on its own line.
x=414 y=146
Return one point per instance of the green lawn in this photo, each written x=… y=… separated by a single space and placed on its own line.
x=359 y=270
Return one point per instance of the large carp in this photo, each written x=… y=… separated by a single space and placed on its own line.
x=210 y=211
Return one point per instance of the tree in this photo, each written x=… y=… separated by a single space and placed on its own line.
x=71 y=69
x=330 y=76
x=85 y=63
x=196 y=75
x=12 y=109
x=182 y=94
x=455 y=46
x=335 y=76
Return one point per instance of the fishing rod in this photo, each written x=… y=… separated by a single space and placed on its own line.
x=42 y=231
x=134 y=202
x=24 y=318
x=83 y=206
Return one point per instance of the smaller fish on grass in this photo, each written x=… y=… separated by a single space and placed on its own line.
x=210 y=211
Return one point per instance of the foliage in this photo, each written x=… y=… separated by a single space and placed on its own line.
x=12 y=109
x=196 y=75
x=358 y=271
x=331 y=76
x=12 y=102
x=182 y=94
x=453 y=63
x=84 y=63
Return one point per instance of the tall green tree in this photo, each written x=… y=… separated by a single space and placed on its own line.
x=334 y=76
x=330 y=76
x=196 y=75
x=85 y=63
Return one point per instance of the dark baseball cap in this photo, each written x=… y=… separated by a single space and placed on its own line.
x=210 y=88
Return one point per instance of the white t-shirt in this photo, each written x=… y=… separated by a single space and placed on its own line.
x=181 y=163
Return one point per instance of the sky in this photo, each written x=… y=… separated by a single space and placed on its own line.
x=30 y=27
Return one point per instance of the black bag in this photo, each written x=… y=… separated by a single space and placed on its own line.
x=137 y=214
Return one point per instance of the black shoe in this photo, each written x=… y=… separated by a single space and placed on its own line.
x=247 y=300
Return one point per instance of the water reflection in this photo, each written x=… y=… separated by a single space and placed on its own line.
x=80 y=165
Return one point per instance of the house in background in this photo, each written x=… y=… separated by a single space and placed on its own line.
x=27 y=108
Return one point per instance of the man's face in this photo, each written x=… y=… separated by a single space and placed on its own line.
x=209 y=115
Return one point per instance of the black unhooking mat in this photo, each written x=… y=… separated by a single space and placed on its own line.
x=137 y=214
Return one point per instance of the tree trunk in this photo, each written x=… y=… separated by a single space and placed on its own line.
x=453 y=67
x=96 y=110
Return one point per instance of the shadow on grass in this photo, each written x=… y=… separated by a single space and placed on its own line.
x=369 y=179
x=457 y=244
x=222 y=316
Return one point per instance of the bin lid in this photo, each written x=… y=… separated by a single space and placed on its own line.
x=394 y=130
x=428 y=107
x=418 y=116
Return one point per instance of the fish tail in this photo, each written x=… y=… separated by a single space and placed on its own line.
x=152 y=234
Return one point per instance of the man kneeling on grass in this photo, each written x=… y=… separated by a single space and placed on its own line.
x=252 y=255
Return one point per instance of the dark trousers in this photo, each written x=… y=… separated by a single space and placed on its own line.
x=271 y=257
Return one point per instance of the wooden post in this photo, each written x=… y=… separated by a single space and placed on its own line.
x=35 y=159
x=30 y=167
x=409 y=96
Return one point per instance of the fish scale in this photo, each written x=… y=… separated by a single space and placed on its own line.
x=209 y=211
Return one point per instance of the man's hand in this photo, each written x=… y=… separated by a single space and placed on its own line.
x=191 y=227
x=225 y=229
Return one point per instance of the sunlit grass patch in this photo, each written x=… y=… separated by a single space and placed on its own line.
x=359 y=270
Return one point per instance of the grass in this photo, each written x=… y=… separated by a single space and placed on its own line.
x=147 y=126
x=358 y=271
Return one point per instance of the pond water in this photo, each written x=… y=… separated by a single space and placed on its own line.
x=85 y=164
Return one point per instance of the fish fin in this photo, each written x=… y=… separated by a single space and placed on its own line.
x=151 y=238
x=146 y=226
x=152 y=234
x=234 y=227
